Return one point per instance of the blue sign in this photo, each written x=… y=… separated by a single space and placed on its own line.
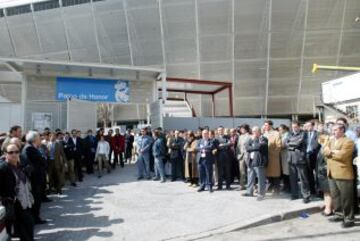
x=99 y=90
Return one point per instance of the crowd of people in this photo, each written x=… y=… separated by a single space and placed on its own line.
x=34 y=165
x=307 y=161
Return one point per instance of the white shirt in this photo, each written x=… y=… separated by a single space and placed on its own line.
x=103 y=148
x=74 y=140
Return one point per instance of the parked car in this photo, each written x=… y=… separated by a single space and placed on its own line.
x=3 y=234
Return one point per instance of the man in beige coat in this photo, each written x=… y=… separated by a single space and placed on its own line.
x=273 y=170
x=339 y=154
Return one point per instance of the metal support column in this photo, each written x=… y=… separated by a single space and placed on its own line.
x=213 y=104
x=268 y=58
x=231 y=108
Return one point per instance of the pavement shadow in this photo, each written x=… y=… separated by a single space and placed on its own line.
x=79 y=235
x=72 y=216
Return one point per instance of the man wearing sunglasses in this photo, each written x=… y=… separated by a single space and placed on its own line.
x=15 y=195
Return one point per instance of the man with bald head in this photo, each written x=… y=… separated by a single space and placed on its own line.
x=257 y=160
x=36 y=162
x=339 y=152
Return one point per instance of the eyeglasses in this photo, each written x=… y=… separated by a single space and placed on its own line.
x=13 y=152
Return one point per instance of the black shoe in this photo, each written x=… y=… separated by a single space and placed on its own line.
x=47 y=200
x=327 y=214
x=73 y=184
x=347 y=224
x=219 y=188
x=306 y=200
x=228 y=188
x=40 y=221
x=293 y=198
x=156 y=179
x=201 y=189
x=140 y=178
x=247 y=195
x=80 y=180
x=336 y=219
x=173 y=180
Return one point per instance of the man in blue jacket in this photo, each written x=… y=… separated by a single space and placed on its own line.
x=144 y=148
x=159 y=153
x=205 y=160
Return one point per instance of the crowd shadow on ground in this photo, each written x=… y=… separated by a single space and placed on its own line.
x=72 y=216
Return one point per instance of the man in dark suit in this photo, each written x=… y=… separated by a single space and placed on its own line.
x=129 y=141
x=176 y=146
x=33 y=158
x=296 y=145
x=74 y=143
x=257 y=160
x=68 y=149
x=205 y=160
x=223 y=159
x=89 y=151
x=312 y=150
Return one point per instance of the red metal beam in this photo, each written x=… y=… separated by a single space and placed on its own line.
x=197 y=81
x=200 y=92
x=221 y=89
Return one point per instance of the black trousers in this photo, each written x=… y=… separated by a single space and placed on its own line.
x=224 y=166
x=37 y=192
x=118 y=156
x=89 y=162
x=311 y=165
x=24 y=223
x=77 y=168
x=177 y=168
x=356 y=199
x=299 y=171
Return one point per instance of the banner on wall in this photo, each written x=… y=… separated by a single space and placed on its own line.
x=41 y=120
x=98 y=90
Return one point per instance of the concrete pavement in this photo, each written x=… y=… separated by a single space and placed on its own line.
x=315 y=228
x=117 y=207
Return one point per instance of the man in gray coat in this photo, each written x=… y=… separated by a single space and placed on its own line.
x=257 y=160
x=242 y=154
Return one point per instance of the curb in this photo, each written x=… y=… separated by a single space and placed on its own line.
x=251 y=223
